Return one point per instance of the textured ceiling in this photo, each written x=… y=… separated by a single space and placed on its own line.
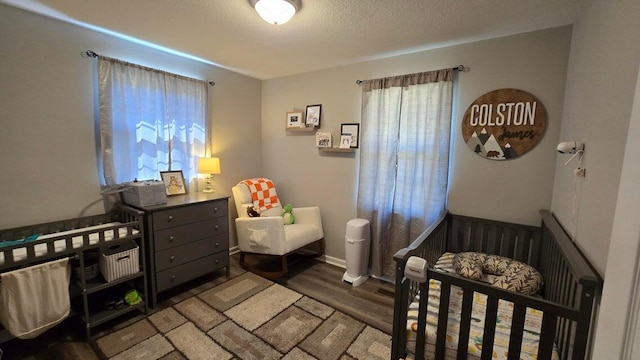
x=324 y=33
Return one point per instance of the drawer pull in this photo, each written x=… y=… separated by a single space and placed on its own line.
x=172 y=258
x=216 y=228
x=217 y=261
x=215 y=210
x=173 y=277
x=170 y=218
x=171 y=238
x=217 y=244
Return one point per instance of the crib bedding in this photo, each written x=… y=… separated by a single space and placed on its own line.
x=532 y=328
x=60 y=245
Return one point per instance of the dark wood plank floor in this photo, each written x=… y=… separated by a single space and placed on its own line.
x=371 y=303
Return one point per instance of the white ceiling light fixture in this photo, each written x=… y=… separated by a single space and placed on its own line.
x=276 y=12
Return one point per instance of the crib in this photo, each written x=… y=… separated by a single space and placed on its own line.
x=74 y=238
x=567 y=301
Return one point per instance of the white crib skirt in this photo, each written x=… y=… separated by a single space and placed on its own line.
x=35 y=299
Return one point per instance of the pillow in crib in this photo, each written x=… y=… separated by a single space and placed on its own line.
x=510 y=274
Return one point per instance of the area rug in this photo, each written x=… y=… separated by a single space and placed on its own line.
x=247 y=317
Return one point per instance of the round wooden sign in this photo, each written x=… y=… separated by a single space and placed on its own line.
x=504 y=124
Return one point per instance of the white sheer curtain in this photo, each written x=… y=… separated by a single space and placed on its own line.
x=404 y=159
x=150 y=121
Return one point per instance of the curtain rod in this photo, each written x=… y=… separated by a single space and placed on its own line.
x=91 y=53
x=457 y=68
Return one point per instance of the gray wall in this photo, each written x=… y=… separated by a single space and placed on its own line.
x=511 y=190
x=600 y=212
x=47 y=138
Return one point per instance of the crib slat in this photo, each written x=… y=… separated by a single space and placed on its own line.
x=488 y=335
x=422 y=319
x=443 y=317
x=547 y=334
x=465 y=324
x=517 y=330
x=492 y=241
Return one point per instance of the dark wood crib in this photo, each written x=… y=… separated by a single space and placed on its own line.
x=568 y=298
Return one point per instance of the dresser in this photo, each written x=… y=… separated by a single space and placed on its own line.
x=186 y=238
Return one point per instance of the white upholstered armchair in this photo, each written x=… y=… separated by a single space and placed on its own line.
x=267 y=235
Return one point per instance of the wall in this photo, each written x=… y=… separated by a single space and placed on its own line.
x=47 y=99
x=600 y=87
x=504 y=190
x=599 y=99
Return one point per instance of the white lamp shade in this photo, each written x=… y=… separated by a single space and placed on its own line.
x=276 y=12
x=209 y=165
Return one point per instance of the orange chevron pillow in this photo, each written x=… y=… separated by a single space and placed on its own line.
x=510 y=274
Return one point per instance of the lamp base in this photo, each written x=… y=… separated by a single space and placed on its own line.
x=207 y=185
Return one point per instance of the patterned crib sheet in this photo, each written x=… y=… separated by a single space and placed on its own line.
x=533 y=322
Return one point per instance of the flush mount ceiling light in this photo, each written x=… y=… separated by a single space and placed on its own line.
x=276 y=12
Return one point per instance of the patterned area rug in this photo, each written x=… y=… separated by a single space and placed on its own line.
x=247 y=317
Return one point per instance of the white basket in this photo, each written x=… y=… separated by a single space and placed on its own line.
x=119 y=261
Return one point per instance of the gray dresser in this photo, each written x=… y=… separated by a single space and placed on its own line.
x=186 y=238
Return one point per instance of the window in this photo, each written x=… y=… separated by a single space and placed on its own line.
x=404 y=159
x=150 y=121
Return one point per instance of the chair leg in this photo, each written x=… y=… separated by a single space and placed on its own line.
x=284 y=261
x=266 y=274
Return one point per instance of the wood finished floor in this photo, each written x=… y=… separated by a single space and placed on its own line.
x=371 y=303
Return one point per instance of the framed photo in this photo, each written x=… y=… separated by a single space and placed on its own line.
x=323 y=139
x=173 y=182
x=345 y=141
x=354 y=131
x=312 y=117
x=295 y=120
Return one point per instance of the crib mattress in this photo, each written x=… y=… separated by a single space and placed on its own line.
x=20 y=254
x=530 y=341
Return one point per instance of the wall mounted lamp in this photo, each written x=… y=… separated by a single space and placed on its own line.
x=208 y=166
x=276 y=12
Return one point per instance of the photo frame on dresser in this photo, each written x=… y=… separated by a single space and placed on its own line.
x=173 y=182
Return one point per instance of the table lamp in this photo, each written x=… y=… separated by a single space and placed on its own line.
x=209 y=166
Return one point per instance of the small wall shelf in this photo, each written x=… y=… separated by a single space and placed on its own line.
x=300 y=129
x=332 y=149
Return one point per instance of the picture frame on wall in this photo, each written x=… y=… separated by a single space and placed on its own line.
x=295 y=119
x=173 y=182
x=323 y=139
x=354 y=130
x=312 y=117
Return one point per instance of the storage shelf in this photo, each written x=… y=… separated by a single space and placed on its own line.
x=106 y=315
x=98 y=283
x=338 y=150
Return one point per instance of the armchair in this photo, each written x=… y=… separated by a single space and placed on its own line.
x=267 y=236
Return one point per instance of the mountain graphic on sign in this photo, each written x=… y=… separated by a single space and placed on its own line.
x=484 y=136
x=509 y=152
x=494 y=151
x=476 y=145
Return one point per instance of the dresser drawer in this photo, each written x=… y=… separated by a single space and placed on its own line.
x=163 y=219
x=194 y=250
x=181 y=235
x=177 y=275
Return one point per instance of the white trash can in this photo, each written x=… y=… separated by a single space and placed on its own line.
x=357 y=242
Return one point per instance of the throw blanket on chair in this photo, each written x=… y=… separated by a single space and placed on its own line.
x=263 y=193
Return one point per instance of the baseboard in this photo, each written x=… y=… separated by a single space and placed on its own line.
x=327 y=259
x=334 y=261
